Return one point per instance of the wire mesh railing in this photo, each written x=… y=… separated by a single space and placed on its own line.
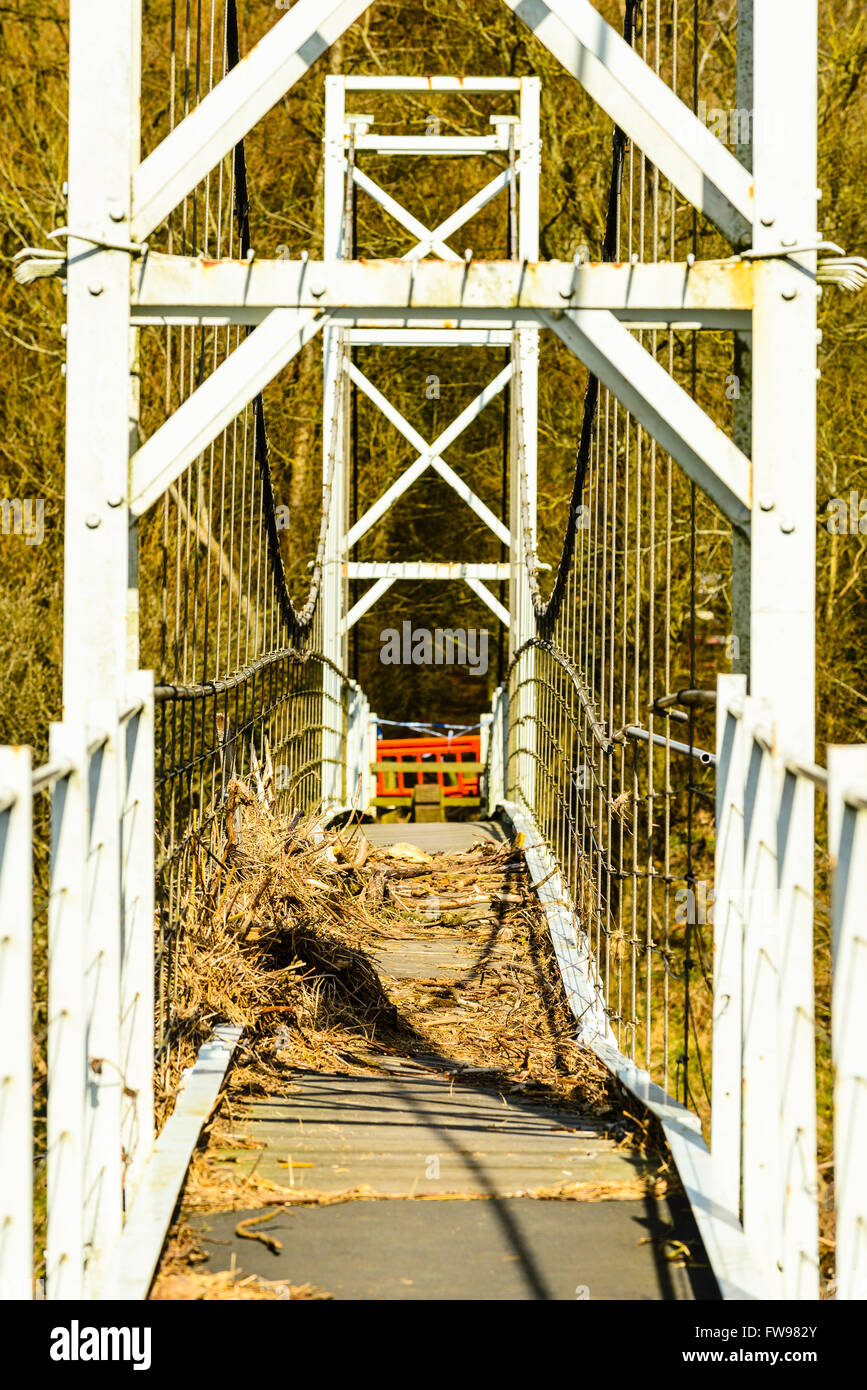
x=263 y=725
x=780 y=1037
x=244 y=691
x=619 y=769
x=607 y=738
x=597 y=793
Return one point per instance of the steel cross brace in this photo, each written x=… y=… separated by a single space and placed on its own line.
x=666 y=411
x=214 y=404
x=429 y=456
x=595 y=336
x=236 y=104
x=646 y=108
x=422 y=571
x=616 y=77
x=434 y=240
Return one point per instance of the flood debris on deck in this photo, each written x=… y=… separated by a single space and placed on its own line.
x=399 y=1006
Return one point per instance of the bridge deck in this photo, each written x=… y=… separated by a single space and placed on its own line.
x=436 y=837
x=428 y=1178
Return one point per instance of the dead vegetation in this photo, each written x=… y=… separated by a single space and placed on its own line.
x=288 y=933
x=281 y=934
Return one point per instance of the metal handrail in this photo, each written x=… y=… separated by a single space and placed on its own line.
x=811 y=771
x=702 y=755
x=230 y=682
x=46 y=776
x=856 y=798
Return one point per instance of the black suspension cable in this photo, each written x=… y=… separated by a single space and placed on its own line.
x=298 y=621
x=547 y=612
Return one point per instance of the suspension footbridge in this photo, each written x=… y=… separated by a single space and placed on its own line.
x=683 y=842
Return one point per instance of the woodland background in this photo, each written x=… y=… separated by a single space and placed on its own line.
x=284 y=158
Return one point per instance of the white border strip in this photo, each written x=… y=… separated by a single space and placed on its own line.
x=737 y=1273
x=140 y=1245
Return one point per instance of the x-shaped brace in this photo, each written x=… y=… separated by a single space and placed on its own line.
x=429 y=456
x=434 y=240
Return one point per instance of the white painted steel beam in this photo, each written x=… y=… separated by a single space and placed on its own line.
x=431 y=144
x=357 y=82
x=783 y=547
x=763 y=1196
x=230 y=111
x=728 y=935
x=742 y=366
x=104 y=36
x=16 y=1033
x=424 y=569
x=495 y=751
x=102 y=1093
x=333 y=596
x=137 y=938
x=484 y=593
x=665 y=410
x=225 y=393
x=646 y=108
x=800 y=1177
x=372 y=731
x=716 y=293
x=526 y=350
x=371 y=325
x=783 y=569
x=428 y=337
x=105 y=47
x=67 y=1080
x=427 y=321
x=374 y=593
x=847 y=836
x=529 y=167
x=138 y=1251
